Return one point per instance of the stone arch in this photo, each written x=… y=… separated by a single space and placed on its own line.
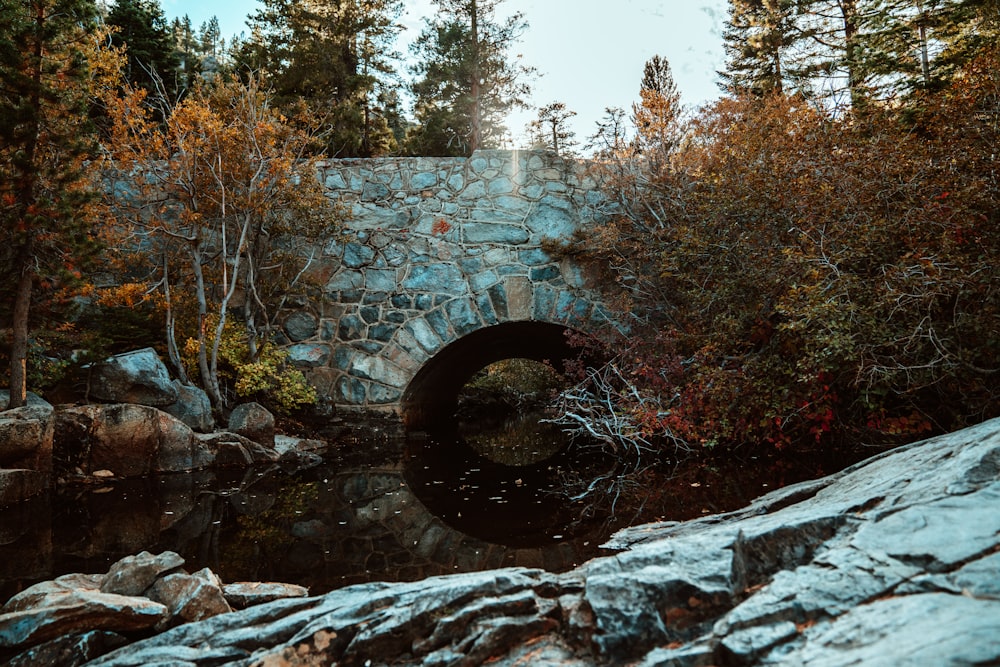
x=432 y=393
x=435 y=250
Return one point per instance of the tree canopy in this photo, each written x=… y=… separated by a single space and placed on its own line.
x=466 y=81
x=227 y=193
x=335 y=57
x=796 y=276
x=49 y=223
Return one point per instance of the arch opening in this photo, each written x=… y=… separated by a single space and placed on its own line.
x=502 y=411
x=431 y=398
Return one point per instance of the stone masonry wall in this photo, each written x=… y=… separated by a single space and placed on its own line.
x=434 y=249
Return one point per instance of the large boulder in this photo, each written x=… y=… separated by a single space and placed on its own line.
x=26 y=434
x=192 y=407
x=129 y=440
x=138 y=377
x=254 y=421
x=190 y=597
x=892 y=561
x=72 y=605
x=133 y=575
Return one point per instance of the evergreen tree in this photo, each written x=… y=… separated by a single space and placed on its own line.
x=211 y=48
x=47 y=220
x=465 y=82
x=210 y=36
x=188 y=51
x=879 y=49
x=837 y=30
x=549 y=130
x=610 y=141
x=761 y=38
x=964 y=29
x=333 y=56
x=152 y=58
x=657 y=117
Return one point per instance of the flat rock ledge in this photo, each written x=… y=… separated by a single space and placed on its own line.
x=77 y=617
x=893 y=561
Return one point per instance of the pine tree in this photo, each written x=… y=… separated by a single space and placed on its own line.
x=47 y=218
x=610 y=140
x=210 y=35
x=333 y=56
x=152 y=59
x=657 y=117
x=187 y=47
x=466 y=83
x=965 y=29
x=760 y=39
x=549 y=130
x=211 y=49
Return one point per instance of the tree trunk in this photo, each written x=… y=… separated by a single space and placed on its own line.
x=209 y=382
x=27 y=181
x=173 y=353
x=19 y=339
x=477 y=121
x=849 y=13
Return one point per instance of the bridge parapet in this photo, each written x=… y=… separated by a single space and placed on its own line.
x=436 y=248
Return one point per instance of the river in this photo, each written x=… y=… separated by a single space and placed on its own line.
x=376 y=508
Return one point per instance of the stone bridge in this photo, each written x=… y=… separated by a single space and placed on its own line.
x=442 y=271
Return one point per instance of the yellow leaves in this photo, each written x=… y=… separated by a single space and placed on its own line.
x=105 y=61
x=127 y=295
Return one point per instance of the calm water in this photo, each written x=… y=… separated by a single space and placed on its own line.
x=379 y=509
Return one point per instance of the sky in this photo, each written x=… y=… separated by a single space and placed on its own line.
x=589 y=53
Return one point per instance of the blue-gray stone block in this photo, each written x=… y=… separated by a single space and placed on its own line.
x=463 y=316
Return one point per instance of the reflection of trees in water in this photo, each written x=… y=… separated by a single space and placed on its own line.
x=502 y=408
x=515 y=383
x=349 y=522
x=324 y=528
x=516 y=440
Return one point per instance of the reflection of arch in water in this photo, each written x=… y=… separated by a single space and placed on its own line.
x=431 y=396
x=515 y=506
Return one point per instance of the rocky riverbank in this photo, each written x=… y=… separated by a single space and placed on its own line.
x=893 y=561
x=145 y=423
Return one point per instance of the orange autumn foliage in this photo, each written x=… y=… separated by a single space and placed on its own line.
x=793 y=278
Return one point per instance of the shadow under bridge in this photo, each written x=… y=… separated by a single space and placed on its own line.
x=432 y=394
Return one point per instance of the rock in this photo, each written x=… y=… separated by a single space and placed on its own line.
x=244 y=594
x=33 y=400
x=190 y=597
x=927 y=629
x=181 y=449
x=254 y=421
x=128 y=440
x=892 y=561
x=76 y=618
x=133 y=575
x=69 y=650
x=45 y=593
x=192 y=407
x=78 y=611
x=308 y=355
x=26 y=434
x=287 y=445
x=301 y=326
x=231 y=450
x=134 y=377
